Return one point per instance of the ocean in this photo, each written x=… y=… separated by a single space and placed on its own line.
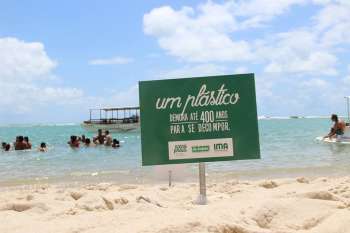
x=288 y=148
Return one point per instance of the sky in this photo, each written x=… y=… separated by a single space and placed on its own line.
x=60 y=58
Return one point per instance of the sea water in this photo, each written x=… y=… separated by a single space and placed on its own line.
x=288 y=147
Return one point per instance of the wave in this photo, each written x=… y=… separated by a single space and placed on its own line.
x=38 y=125
x=293 y=117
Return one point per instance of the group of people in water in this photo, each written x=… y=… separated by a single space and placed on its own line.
x=100 y=139
x=23 y=143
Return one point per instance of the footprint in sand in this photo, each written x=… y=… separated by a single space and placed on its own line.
x=142 y=199
x=20 y=207
x=302 y=180
x=76 y=195
x=127 y=187
x=268 y=184
x=228 y=229
x=184 y=228
x=321 y=195
x=121 y=201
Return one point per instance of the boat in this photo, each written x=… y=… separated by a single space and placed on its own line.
x=344 y=139
x=113 y=119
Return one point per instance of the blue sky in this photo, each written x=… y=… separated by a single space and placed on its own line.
x=58 y=59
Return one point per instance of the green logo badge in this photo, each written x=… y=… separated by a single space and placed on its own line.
x=196 y=149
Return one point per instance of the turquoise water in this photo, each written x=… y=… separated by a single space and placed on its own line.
x=288 y=146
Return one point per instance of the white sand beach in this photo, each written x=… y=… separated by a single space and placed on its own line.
x=317 y=205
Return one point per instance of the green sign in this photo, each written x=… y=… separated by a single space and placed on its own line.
x=199 y=119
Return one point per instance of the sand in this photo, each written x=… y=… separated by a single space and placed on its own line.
x=318 y=205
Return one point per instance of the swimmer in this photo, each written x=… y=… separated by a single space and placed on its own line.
x=88 y=142
x=74 y=143
x=3 y=145
x=42 y=147
x=83 y=138
x=115 y=143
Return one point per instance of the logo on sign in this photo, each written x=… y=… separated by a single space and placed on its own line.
x=180 y=148
x=221 y=146
x=196 y=149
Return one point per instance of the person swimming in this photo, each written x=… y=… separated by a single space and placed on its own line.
x=42 y=147
x=88 y=143
x=74 y=142
x=7 y=147
x=115 y=143
x=3 y=145
x=338 y=128
x=82 y=138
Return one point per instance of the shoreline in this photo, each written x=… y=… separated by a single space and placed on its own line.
x=286 y=205
x=180 y=173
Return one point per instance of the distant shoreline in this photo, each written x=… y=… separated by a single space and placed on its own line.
x=261 y=117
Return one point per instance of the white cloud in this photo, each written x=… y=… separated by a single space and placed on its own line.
x=314 y=63
x=346 y=81
x=296 y=62
x=241 y=70
x=25 y=73
x=128 y=97
x=204 y=33
x=312 y=49
x=331 y=14
x=315 y=83
x=298 y=51
x=23 y=61
x=194 y=71
x=111 y=61
x=258 y=12
x=199 y=35
x=333 y=23
x=207 y=33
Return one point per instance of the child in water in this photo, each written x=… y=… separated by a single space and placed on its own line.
x=115 y=143
x=42 y=147
x=7 y=147
x=88 y=143
x=3 y=145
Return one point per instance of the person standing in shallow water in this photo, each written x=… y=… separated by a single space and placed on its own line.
x=29 y=145
x=74 y=142
x=108 y=138
x=338 y=128
x=20 y=143
x=100 y=138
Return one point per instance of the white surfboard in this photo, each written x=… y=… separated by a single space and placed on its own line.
x=334 y=140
